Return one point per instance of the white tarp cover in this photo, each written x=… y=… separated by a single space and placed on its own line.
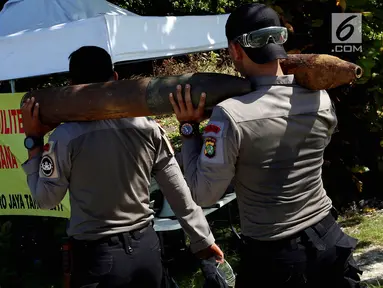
x=24 y=15
x=41 y=34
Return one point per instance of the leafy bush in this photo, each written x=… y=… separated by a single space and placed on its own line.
x=214 y=61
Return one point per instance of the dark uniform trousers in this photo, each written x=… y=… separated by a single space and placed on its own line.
x=320 y=256
x=130 y=259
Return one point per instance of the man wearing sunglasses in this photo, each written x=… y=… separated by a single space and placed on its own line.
x=271 y=143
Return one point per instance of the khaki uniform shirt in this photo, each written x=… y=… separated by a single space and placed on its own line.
x=270 y=143
x=107 y=167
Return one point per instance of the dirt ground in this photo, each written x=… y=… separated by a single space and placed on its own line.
x=370 y=260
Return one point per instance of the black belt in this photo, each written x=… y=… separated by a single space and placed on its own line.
x=110 y=239
x=324 y=225
x=315 y=233
x=319 y=229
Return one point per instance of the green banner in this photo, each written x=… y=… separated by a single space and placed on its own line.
x=15 y=198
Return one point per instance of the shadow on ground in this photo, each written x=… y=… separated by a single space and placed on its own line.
x=370 y=262
x=363 y=244
x=371 y=256
x=351 y=222
x=377 y=282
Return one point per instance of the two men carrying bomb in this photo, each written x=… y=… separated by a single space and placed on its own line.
x=270 y=143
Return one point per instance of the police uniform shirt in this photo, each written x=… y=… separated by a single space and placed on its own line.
x=107 y=167
x=270 y=142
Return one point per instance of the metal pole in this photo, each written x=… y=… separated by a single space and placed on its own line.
x=13 y=87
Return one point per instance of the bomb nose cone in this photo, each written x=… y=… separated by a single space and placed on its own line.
x=358 y=72
x=320 y=72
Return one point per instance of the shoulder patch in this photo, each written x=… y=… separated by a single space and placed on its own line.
x=212 y=128
x=215 y=129
x=48 y=147
x=210 y=147
x=47 y=167
x=48 y=163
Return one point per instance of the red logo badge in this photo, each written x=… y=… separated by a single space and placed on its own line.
x=46 y=147
x=212 y=128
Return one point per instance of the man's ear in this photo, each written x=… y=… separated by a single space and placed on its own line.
x=115 y=76
x=236 y=51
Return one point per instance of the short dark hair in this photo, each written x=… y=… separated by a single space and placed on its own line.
x=90 y=64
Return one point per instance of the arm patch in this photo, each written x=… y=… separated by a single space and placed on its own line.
x=209 y=147
x=215 y=129
x=48 y=163
x=212 y=150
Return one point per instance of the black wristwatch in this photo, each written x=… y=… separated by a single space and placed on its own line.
x=188 y=129
x=31 y=142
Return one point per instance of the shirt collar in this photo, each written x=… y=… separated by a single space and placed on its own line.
x=272 y=80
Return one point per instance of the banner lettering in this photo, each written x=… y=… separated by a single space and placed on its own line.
x=15 y=198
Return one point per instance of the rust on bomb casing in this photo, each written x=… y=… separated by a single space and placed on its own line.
x=132 y=98
x=320 y=71
x=98 y=101
x=149 y=96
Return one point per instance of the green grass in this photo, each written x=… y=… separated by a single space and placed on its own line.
x=368 y=229
x=379 y=284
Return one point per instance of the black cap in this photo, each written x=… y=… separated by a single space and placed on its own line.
x=250 y=17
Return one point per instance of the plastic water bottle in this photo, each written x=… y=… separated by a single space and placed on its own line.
x=229 y=273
